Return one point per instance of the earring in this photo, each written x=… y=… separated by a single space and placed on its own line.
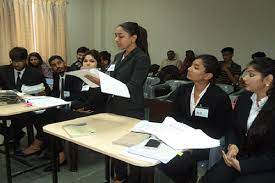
x=267 y=85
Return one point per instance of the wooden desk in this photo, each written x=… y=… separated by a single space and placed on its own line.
x=6 y=112
x=109 y=127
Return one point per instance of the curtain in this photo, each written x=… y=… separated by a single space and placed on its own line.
x=37 y=25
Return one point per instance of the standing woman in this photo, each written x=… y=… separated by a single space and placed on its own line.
x=131 y=67
x=250 y=156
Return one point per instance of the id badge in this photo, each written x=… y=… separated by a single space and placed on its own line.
x=111 y=68
x=201 y=112
x=66 y=94
x=85 y=88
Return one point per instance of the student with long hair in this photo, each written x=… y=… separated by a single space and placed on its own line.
x=201 y=105
x=36 y=61
x=131 y=67
x=250 y=155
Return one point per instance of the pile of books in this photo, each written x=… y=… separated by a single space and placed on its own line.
x=9 y=97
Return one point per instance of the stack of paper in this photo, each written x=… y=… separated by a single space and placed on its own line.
x=45 y=101
x=177 y=135
x=33 y=89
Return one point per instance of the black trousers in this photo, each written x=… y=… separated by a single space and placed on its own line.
x=183 y=168
x=221 y=173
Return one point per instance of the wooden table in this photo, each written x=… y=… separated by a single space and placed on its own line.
x=109 y=127
x=6 y=113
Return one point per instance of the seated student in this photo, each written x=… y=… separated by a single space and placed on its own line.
x=89 y=100
x=230 y=71
x=189 y=58
x=80 y=52
x=105 y=60
x=35 y=61
x=250 y=155
x=171 y=60
x=13 y=76
x=201 y=105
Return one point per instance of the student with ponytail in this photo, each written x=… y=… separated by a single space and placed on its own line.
x=250 y=156
x=131 y=67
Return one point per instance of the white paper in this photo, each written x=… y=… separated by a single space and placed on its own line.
x=33 y=89
x=162 y=153
x=139 y=157
x=82 y=73
x=107 y=83
x=45 y=101
x=178 y=135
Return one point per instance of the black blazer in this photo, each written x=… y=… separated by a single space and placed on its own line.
x=70 y=85
x=219 y=110
x=132 y=71
x=93 y=99
x=30 y=77
x=252 y=160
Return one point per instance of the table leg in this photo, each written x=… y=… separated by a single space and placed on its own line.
x=55 y=159
x=7 y=151
x=147 y=175
x=73 y=156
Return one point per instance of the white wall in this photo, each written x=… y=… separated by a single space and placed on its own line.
x=204 y=26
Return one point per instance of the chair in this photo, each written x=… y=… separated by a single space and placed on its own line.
x=172 y=84
x=227 y=88
x=147 y=88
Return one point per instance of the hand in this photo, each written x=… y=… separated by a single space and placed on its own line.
x=232 y=151
x=43 y=93
x=93 y=79
x=231 y=162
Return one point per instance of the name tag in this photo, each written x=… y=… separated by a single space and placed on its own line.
x=85 y=88
x=201 y=112
x=111 y=68
x=66 y=93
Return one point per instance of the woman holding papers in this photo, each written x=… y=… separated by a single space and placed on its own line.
x=89 y=100
x=201 y=105
x=250 y=155
x=131 y=67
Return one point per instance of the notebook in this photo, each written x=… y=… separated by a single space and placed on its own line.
x=78 y=130
x=131 y=139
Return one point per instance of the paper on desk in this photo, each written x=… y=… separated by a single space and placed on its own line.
x=162 y=153
x=107 y=83
x=32 y=89
x=178 y=135
x=45 y=101
x=139 y=157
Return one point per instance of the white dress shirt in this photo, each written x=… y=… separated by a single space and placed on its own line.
x=192 y=98
x=255 y=109
x=16 y=72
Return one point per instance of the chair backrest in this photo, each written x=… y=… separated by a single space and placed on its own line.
x=227 y=88
x=147 y=87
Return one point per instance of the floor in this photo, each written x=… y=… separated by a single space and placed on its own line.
x=90 y=170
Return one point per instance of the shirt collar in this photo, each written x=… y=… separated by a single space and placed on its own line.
x=21 y=72
x=259 y=104
x=203 y=91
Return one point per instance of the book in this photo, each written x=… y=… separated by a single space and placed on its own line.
x=78 y=129
x=131 y=139
x=9 y=97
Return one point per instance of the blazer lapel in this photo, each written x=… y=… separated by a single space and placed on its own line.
x=187 y=97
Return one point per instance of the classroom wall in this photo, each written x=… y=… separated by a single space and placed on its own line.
x=204 y=26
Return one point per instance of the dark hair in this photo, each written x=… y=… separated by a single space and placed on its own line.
x=258 y=54
x=211 y=65
x=263 y=121
x=105 y=55
x=18 y=54
x=190 y=51
x=228 y=49
x=132 y=28
x=93 y=53
x=37 y=55
x=55 y=57
x=82 y=49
